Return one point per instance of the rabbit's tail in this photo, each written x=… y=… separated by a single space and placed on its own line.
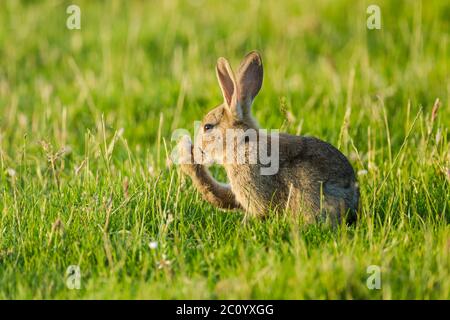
x=354 y=204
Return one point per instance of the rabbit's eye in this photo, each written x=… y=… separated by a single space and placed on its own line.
x=208 y=126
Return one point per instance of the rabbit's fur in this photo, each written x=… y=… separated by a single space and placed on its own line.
x=314 y=179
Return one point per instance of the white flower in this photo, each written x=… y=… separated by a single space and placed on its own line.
x=153 y=245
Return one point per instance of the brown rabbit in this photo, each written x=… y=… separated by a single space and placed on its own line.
x=313 y=178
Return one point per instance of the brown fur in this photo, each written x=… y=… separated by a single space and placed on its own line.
x=314 y=178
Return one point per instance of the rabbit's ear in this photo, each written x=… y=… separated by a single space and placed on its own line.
x=227 y=82
x=249 y=78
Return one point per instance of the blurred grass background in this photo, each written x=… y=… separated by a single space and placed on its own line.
x=86 y=118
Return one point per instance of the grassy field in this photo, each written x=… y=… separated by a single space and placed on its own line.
x=86 y=118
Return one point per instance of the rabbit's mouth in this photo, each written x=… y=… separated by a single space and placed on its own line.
x=204 y=158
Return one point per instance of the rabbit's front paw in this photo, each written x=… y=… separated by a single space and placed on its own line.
x=184 y=148
x=185 y=157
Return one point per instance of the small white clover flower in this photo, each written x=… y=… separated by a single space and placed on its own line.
x=153 y=245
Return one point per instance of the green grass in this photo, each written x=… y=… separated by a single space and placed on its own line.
x=86 y=118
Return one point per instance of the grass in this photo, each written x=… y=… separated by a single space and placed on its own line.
x=86 y=118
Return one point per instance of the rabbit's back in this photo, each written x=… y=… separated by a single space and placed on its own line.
x=319 y=159
x=320 y=174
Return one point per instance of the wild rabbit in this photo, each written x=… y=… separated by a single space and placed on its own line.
x=313 y=178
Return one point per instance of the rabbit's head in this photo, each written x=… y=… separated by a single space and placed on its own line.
x=234 y=113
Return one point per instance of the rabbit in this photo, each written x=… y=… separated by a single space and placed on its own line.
x=314 y=179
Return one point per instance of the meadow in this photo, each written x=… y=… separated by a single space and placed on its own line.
x=86 y=118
